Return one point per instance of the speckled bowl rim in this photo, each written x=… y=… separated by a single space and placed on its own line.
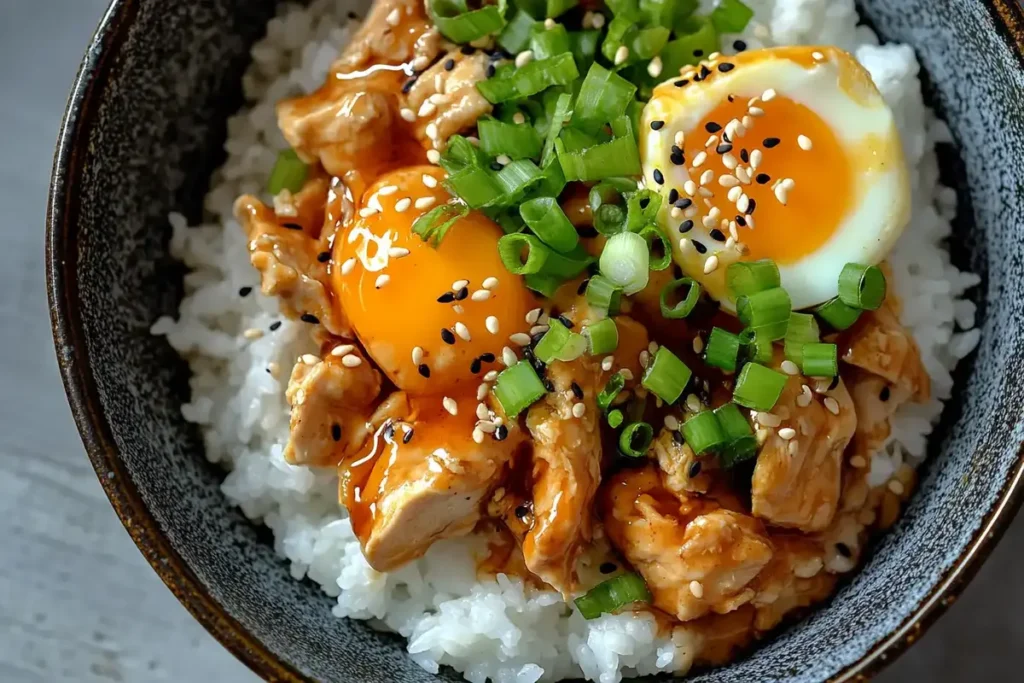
x=95 y=430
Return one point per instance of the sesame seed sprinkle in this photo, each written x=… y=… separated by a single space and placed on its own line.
x=481 y=391
x=351 y=361
x=523 y=58
x=450 y=405
x=805 y=143
x=621 y=55
x=253 y=333
x=832 y=405
x=671 y=423
x=424 y=202
x=579 y=410
x=403 y=203
x=387 y=189
x=768 y=95
x=382 y=280
x=426 y=109
x=429 y=180
x=491 y=324
x=790 y=368
x=818 y=57
x=462 y=331
x=679 y=138
x=394 y=17
x=408 y=114
x=787 y=433
x=343 y=350
x=711 y=264
x=509 y=357
x=697 y=589
x=433 y=156
x=398 y=252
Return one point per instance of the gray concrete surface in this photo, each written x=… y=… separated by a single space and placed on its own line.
x=77 y=600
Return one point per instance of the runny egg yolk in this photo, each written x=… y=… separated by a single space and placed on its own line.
x=435 y=319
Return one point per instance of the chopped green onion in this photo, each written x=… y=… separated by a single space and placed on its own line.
x=545 y=285
x=615 y=384
x=517 y=141
x=610 y=191
x=702 y=39
x=434 y=225
x=642 y=209
x=659 y=249
x=820 y=360
x=665 y=12
x=517 y=387
x=621 y=31
x=731 y=16
x=603 y=97
x=461 y=26
x=539 y=257
x=478 y=187
x=802 y=329
x=625 y=8
x=547 y=220
x=767 y=311
x=584 y=47
x=750 y=277
x=613 y=594
x=722 y=350
x=516 y=35
x=648 y=42
x=548 y=42
x=615 y=418
x=756 y=346
x=575 y=347
x=685 y=305
x=603 y=336
x=741 y=444
x=515 y=177
x=530 y=79
x=551 y=343
x=704 y=433
x=289 y=173
x=576 y=140
x=625 y=261
x=618 y=157
x=552 y=180
x=557 y=8
x=862 y=286
x=635 y=439
x=610 y=219
x=758 y=387
x=603 y=295
x=837 y=314
x=666 y=376
x=460 y=153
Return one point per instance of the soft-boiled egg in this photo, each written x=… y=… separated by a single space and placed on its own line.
x=788 y=154
x=434 y=319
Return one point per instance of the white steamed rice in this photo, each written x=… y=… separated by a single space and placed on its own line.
x=491 y=629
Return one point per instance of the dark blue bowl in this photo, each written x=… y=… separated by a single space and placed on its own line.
x=143 y=130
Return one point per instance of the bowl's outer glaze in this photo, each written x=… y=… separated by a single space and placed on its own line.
x=144 y=127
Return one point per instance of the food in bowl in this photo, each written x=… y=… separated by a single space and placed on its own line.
x=591 y=344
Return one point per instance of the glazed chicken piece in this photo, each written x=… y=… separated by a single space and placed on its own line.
x=794 y=578
x=450 y=96
x=875 y=400
x=434 y=486
x=381 y=42
x=331 y=407
x=881 y=345
x=566 y=473
x=797 y=480
x=677 y=461
x=286 y=255
x=696 y=557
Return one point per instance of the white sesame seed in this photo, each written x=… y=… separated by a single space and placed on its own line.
x=491 y=324
x=462 y=331
x=549 y=23
x=520 y=338
x=768 y=419
x=742 y=204
x=429 y=180
x=621 y=55
x=450 y=405
x=481 y=391
x=896 y=487
x=459 y=310
x=394 y=17
x=676 y=212
x=706 y=177
x=347 y=266
x=408 y=114
x=579 y=410
x=755 y=159
x=818 y=57
x=398 y=252
x=709 y=222
x=730 y=181
x=367 y=211
x=790 y=368
x=729 y=161
x=788 y=183
x=490 y=283
x=781 y=194
x=598 y=20
x=697 y=589
x=459 y=284
x=654 y=68
x=698 y=344
x=478 y=435
x=645 y=358
x=417 y=355
x=509 y=357
x=699 y=160
x=692 y=403
x=503 y=159
x=431 y=130
x=518 y=118
x=539 y=329
x=273 y=369
x=433 y=156
x=627 y=374
x=684 y=244
x=424 y=202
x=743 y=175
x=607 y=362
x=832 y=405
x=343 y=349
x=351 y=361
x=793 y=448
x=768 y=95
x=487 y=427
x=755 y=112
x=491 y=376
x=300 y=396
x=690 y=187
x=787 y=433
x=671 y=423
x=711 y=141
x=524 y=58
x=747 y=122
x=426 y=109
x=308 y=359
x=482 y=412
x=438 y=83
x=858 y=462
x=382 y=280
x=679 y=138
x=473 y=140
x=691 y=212
x=420 y=63
x=711 y=264
x=253 y=333
x=403 y=204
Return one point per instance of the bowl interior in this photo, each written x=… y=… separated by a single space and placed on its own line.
x=144 y=130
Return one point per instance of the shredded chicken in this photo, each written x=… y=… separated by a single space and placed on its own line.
x=378 y=41
x=447 y=100
x=797 y=479
x=794 y=578
x=286 y=259
x=566 y=473
x=331 y=404
x=683 y=471
x=696 y=557
x=882 y=346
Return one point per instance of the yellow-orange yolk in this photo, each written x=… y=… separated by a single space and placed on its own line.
x=435 y=319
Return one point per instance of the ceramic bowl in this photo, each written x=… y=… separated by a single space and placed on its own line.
x=142 y=133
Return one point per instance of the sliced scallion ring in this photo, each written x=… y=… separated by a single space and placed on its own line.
x=862 y=286
x=547 y=220
x=750 y=277
x=666 y=376
x=722 y=350
x=625 y=262
x=517 y=387
x=703 y=432
x=767 y=311
x=837 y=314
x=603 y=337
x=820 y=360
x=613 y=594
x=635 y=439
x=685 y=305
x=289 y=173
x=758 y=387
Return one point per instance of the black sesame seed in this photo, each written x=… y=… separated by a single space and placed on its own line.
x=745 y=156
x=762 y=178
x=449 y=64
x=548 y=385
x=522 y=511
x=501 y=433
x=658 y=177
x=712 y=127
x=726 y=138
x=883 y=395
x=717 y=235
x=771 y=142
x=657 y=125
x=336 y=431
x=467 y=50
x=407 y=86
x=726 y=67
x=646 y=200
x=681 y=84
x=739 y=45
x=675 y=149
x=447 y=337
x=495 y=166
x=446 y=298
x=678 y=437
x=577 y=391
x=751 y=207
x=683 y=203
x=424 y=370
x=686 y=226
x=724 y=148
x=309 y=318
x=487 y=357
x=673 y=195
x=694 y=469
x=291 y=226
x=701 y=249
x=843 y=550
x=741 y=221
x=475 y=366
x=245 y=291
x=323 y=256
x=389 y=432
x=275 y=325
x=491 y=70
x=353 y=15
x=705 y=72
x=408 y=436
x=462 y=294
x=698 y=53
x=731 y=98
x=608 y=567
x=833 y=384
x=677 y=159
x=565 y=321
x=583 y=287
